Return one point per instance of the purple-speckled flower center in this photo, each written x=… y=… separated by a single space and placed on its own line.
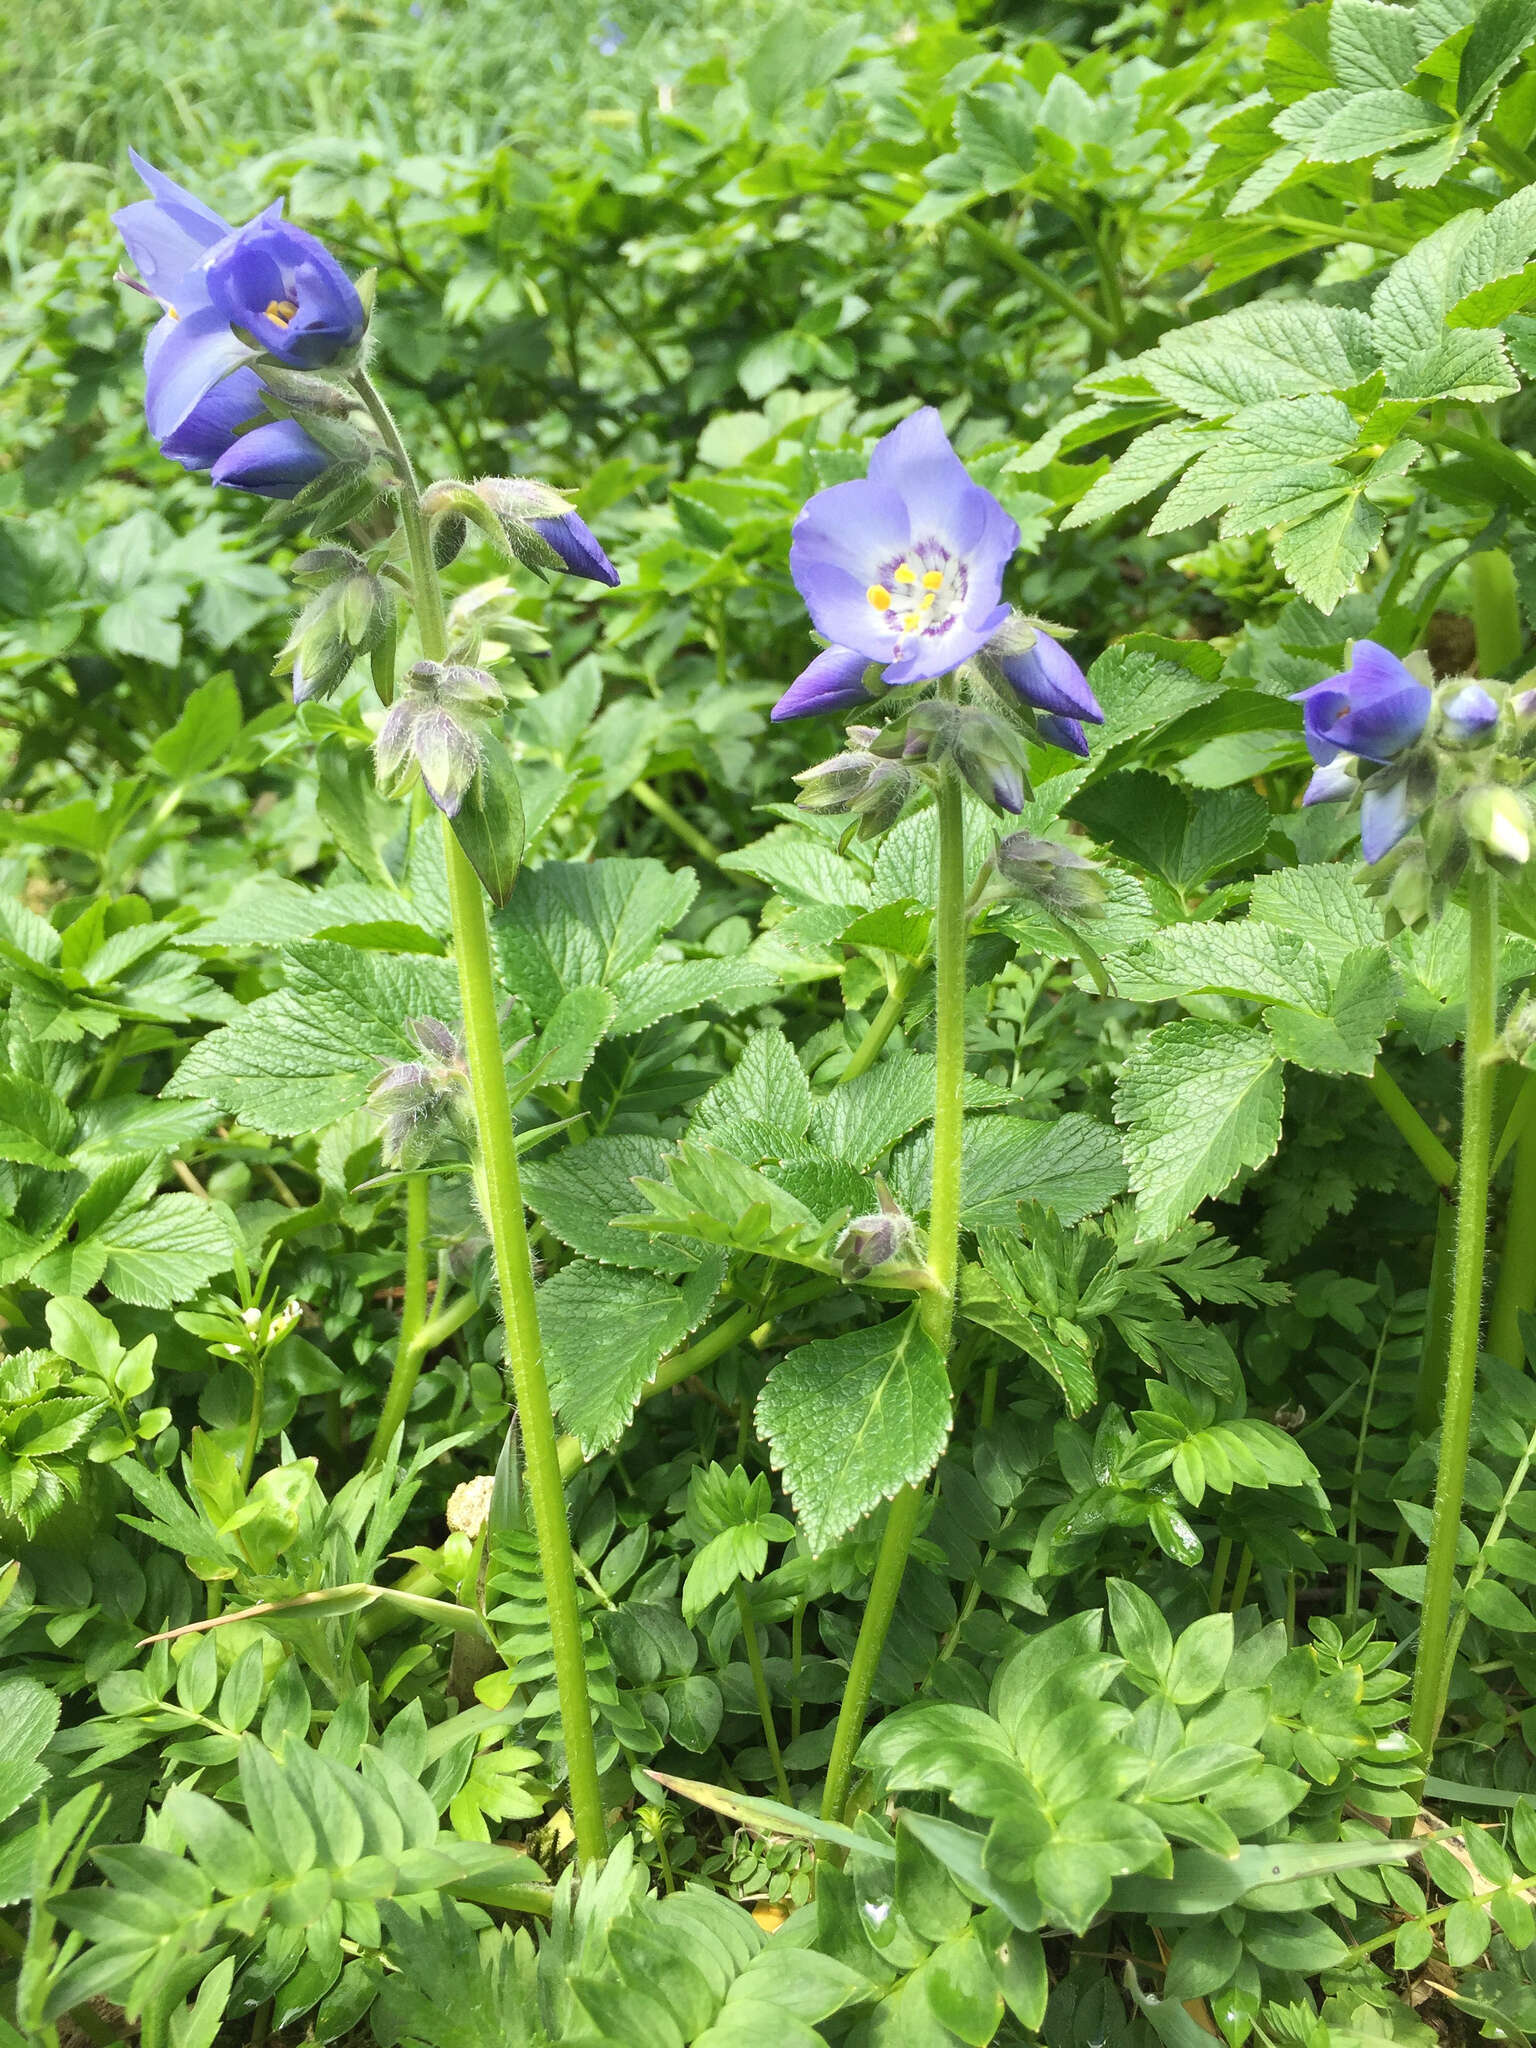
x=921 y=591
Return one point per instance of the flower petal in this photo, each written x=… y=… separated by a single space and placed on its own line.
x=274 y=461
x=212 y=424
x=1332 y=784
x=832 y=682
x=577 y=546
x=185 y=359
x=1384 y=816
x=1066 y=733
x=840 y=608
x=1046 y=676
x=854 y=527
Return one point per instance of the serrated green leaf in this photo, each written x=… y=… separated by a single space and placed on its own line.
x=766 y=1086
x=578 y=1192
x=1072 y=1167
x=574 y=924
x=1201 y=1101
x=305 y=1056
x=606 y=1329
x=853 y=1419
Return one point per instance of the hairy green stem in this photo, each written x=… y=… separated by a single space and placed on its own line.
x=1495 y=611
x=1411 y=1127
x=413 y=1313
x=253 y=1426
x=936 y=1307
x=883 y=1023
x=760 y=1687
x=1435 y=1345
x=1514 y=1292
x=500 y=1187
x=1432 y=1665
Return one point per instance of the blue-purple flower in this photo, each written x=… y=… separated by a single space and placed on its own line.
x=1375 y=709
x=906 y=565
x=274 y=460
x=279 y=286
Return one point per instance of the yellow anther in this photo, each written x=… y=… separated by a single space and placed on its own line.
x=928 y=602
x=905 y=574
x=281 y=310
x=879 y=597
x=933 y=579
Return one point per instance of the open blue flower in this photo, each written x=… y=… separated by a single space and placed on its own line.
x=275 y=459
x=1375 y=709
x=272 y=280
x=906 y=566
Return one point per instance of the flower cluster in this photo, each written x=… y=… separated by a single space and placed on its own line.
x=1419 y=755
x=423 y=1101
x=902 y=574
x=266 y=293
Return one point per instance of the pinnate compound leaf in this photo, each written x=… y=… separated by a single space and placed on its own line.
x=301 y=1058
x=1201 y=1101
x=852 y=1419
x=606 y=1329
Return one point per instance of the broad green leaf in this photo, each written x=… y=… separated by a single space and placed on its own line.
x=1201 y=1101
x=1361 y=1005
x=801 y=867
x=1322 y=905
x=853 y=1419
x=606 y=1329
x=1261 y=962
x=578 y=1192
x=574 y=924
x=668 y=988
x=1184 y=836
x=767 y=1086
x=36 y=1128
x=1073 y=1167
x=301 y=1058
x=862 y=1119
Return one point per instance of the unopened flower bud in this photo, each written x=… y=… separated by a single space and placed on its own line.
x=1333 y=784
x=885 y=1242
x=1499 y=821
x=346 y=618
x=1056 y=877
x=872 y=787
x=1520 y=1033
x=421 y=1104
x=984 y=750
x=1523 y=704
x=543 y=529
x=1467 y=716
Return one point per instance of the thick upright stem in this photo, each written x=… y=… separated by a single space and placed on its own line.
x=1437 y=1324
x=502 y=1196
x=1432 y=1667
x=1514 y=1292
x=502 y=1200
x=936 y=1306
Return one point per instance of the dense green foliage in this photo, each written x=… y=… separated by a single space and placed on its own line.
x=1233 y=308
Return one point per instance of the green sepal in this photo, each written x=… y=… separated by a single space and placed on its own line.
x=489 y=824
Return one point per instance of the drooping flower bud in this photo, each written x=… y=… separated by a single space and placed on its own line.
x=1468 y=716
x=542 y=528
x=346 y=618
x=434 y=728
x=1056 y=877
x=1333 y=784
x=1499 y=821
x=423 y=1102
